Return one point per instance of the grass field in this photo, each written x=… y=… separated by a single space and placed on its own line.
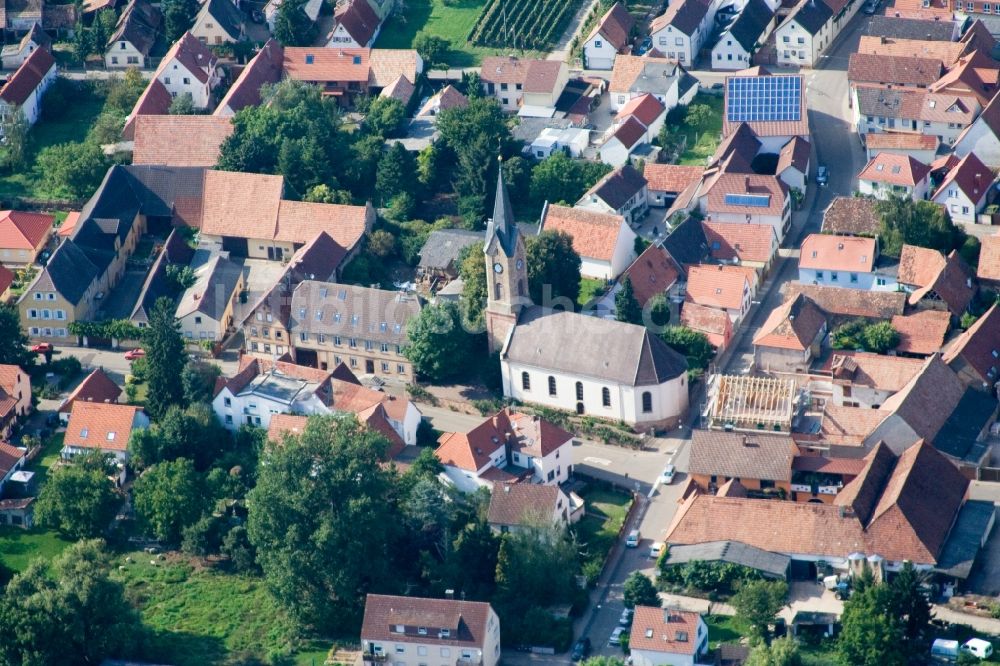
x=589 y=288
x=701 y=145
x=598 y=529
x=48 y=456
x=198 y=616
x=19 y=546
x=450 y=22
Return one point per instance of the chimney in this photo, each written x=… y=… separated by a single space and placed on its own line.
x=449 y=594
x=746 y=183
x=882 y=39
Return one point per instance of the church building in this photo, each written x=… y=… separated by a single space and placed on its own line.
x=570 y=361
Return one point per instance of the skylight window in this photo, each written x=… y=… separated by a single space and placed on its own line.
x=309 y=58
x=83 y=433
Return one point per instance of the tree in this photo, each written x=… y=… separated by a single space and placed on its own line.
x=474 y=561
x=439 y=346
x=627 y=308
x=553 y=269
x=198 y=379
x=602 y=661
x=14 y=351
x=168 y=497
x=699 y=116
x=69 y=613
x=315 y=496
x=431 y=48
x=871 y=633
x=694 y=345
x=381 y=243
x=323 y=194
x=178 y=17
x=395 y=173
x=880 y=337
x=434 y=166
x=659 y=312
x=640 y=591
x=241 y=553
x=183 y=105
x=758 y=601
x=782 y=652
x=472 y=270
x=203 y=537
x=78 y=500
x=72 y=170
x=471 y=85
x=910 y=605
x=426 y=466
x=384 y=117
x=15 y=131
x=193 y=433
x=923 y=223
x=517 y=176
x=561 y=179
x=165 y=359
x=291 y=25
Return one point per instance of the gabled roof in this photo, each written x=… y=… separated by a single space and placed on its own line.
x=614 y=26
x=542 y=76
x=643 y=74
x=812 y=15
x=172 y=140
x=926 y=401
x=264 y=68
x=358 y=19
x=465 y=620
x=989 y=117
x=27 y=78
x=629 y=132
x=970 y=176
x=907 y=28
x=764 y=128
x=100 y=425
x=96 y=387
x=69 y=272
x=154 y=100
x=894 y=169
x=838 y=253
x=22 y=230
x=845 y=302
x=921 y=332
x=948 y=278
x=443 y=246
x=618 y=187
x=521 y=503
x=793 y=325
x=6 y=278
x=653 y=272
x=326 y=65
x=665 y=630
x=975 y=74
x=852 y=215
x=686 y=243
x=714 y=323
x=979 y=346
x=716 y=286
x=138 y=25
x=672 y=178
x=531 y=435
x=741 y=455
x=212 y=292
x=747 y=242
x=401 y=89
x=719 y=196
x=227 y=15
x=989 y=258
x=794 y=155
x=749 y=26
x=447 y=98
x=388 y=64
x=194 y=56
x=961 y=436
x=874 y=371
x=946 y=52
x=900 y=70
x=685 y=16
x=646 y=108
x=595 y=235
x=879 y=141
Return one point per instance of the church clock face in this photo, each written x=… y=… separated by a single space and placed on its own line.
x=520 y=264
x=498 y=268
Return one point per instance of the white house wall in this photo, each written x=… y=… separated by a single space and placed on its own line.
x=598 y=53
x=980 y=140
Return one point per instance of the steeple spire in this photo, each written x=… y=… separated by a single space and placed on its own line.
x=502 y=224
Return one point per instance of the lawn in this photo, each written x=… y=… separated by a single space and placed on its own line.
x=589 y=288
x=199 y=616
x=19 y=546
x=724 y=629
x=450 y=22
x=47 y=457
x=598 y=530
x=702 y=145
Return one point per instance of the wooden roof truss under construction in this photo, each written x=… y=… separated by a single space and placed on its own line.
x=745 y=402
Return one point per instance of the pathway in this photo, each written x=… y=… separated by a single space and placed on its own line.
x=562 y=49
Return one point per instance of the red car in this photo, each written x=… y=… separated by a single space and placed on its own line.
x=42 y=348
x=134 y=354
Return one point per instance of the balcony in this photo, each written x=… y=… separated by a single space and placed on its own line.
x=375 y=658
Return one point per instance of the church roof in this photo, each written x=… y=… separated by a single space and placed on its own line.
x=577 y=345
x=502 y=225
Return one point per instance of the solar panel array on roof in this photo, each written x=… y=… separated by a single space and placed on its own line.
x=763 y=98
x=753 y=200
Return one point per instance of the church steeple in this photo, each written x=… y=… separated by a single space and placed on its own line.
x=506 y=272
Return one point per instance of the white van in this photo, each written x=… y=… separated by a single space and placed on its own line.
x=978 y=647
x=944 y=649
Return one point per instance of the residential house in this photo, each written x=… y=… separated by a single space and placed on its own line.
x=23 y=91
x=96 y=387
x=15 y=398
x=571 y=140
x=727 y=288
x=247 y=215
x=158 y=282
x=970 y=75
x=772 y=106
x=23 y=236
x=14 y=55
x=311 y=9
x=609 y=38
x=264 y=68
x=852 y=216
x=907 y=114
x=374 y=417
x=921 y=333
x=793 y=164
x=840 y=303
x=362 y=327
x=12 y=460
x=219 y=22
x=605 y=243
x=861 y=379
x=447 y=98
x=810 y=28
x=848 y=261
x=667 y=637
x=265 y=325
x=753 y=245
x=652 y=273
x=973 y=354
x=622 y=192
x=742 y=39
x=681 y=31
x=189 y=67
x=355 y=24
x=712 y=322
x=103 y=427
x=406 y=629
x=988 y=269
x=897 y=27
x=138 y=27
x=155 y=100
x=348 y=73
x=921 y=147
x=622 y=139
x=665 y=182
x=934 y=281
x=507 y=446
x=909 y=72
x=735 y=198
x=759 y=462
x=180 y=141
x=519 y=506
x=439 y=255
x=888 y=175
x=965 y=190
x=661 y=77
x=520 y=83
x=205 y=309
x=982 y=137
x=791 y=337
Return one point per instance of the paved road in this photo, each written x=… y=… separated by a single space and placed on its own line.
x=113 y=361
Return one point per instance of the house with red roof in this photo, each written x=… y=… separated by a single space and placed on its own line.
x=519 y=82
x=101 y=426
x=25 y=88
x=665 y=182
x=23 y=236
x=934 y=281
x=507 y=447
x=96 y=387
x=608 y=38
x=15 y=398
x=726 y=288
x=754 y=245
x=965 y=190
x=742 y=198
x=667 y=637
x=189 y=67
x=636 y=125
x=791 y=337
x=355 y=24
x=982 y=137
x=12 y=460
x=975 y=354
x=843 y=261
x=715 y=324
x=605 y=243
x=889 y=174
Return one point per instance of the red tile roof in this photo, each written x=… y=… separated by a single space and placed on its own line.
x=875 y=371
x=947 y=278
x=183 y=141
x=842 y=301
x=653 y=272
x=838 y=253
x=746 y=242
x=922 y=332
x=265 y=68
x=100 y=425
x=614 y=26
x=646 y=108
x=895 y=170
x=717 y=286
x=9 y=456
x=970 y=176
x=793 y=325
x=24 y=231
x=465 y=620
x=714 y=323
x=155 y=99
x=6 y=279
x=852 y=216
x=595 y=235
x=96 y=387
x=755 y=184
x=664 y=630
x=629 y=131
x=27 y=78
x=901 y=70
x=359 y=20
x=670 y=177
x=192 y=55
x=900 y=141
x=282 y=424
x=326 y=65
x=794 y=155
x=521 y=503
x=66 y=228
x=979 y=346
x=989 y=259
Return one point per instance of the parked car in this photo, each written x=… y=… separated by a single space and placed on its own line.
x=616 y=637
x=632 y=541
x=978 y=647
x=42 y=348
x=626 y=617
x=134 y=354
x=667 y=476
x=822 y=175
x=581 y=649
x=655 y=549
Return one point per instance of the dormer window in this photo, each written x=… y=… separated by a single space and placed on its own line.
x=399 y=629
x=422 y=631
x=356 y=60
x=111 y=436
x=309 y=58
x=444 y=633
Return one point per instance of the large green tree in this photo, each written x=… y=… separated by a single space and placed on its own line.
x=553 y=269
x=322 y=521
x=472 y=270
x=164 y=359
x=14 y=350
x=562 y=179
x=68 y=613
x=910 y=604
x=439 y=346
x=639 y=590
x=694 y=345
x=783 y=651
x=871 y=631
x=168 y=497
x=923 y=223
x=758 y=601
x=72 y=170
x=178 y=17
x=433 y=50
x=193 y=433
x=395 y=173
x=627 y=307
x=384 y=117
x=291 y=25
x=77 y=499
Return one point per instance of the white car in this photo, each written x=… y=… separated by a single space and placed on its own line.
x=655 y=549
x=632 y=541
x=667 y=476
x=616 y=637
